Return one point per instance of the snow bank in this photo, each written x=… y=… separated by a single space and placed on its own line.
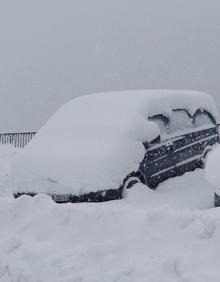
x=213 y=169
x=94 y=141
x=7 y=155
x=140 y=238
x=189 y=191
x=43 y=241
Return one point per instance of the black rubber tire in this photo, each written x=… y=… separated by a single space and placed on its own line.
x=132 y=179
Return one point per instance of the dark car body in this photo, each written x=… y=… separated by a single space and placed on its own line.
x=183 y=151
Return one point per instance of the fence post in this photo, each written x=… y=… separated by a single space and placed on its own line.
x=17 y=139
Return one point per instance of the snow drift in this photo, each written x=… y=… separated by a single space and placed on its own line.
x=213 y=169
x=94 y=141
x=43 y=241
x=148 y=236
x=7 y=155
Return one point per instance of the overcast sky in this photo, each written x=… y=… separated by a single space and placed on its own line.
x=52 y=51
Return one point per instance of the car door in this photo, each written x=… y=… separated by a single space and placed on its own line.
x=186 y=145
x=183 y=145
x=195 y=143
x=157 y=161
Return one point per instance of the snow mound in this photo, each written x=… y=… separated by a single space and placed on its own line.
x=213 y=169
x=7 y=155
x=189 y=191
x=93 y=142
x=43 y=241
x=140 y=238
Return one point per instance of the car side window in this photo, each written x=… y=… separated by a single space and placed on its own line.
x=162 y=122
x=179 y=120
x=202 y=118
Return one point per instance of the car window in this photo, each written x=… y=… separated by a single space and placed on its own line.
x=179 y=120
x=161 y=121
x=202 y=118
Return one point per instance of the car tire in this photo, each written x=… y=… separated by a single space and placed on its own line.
x=132 y=179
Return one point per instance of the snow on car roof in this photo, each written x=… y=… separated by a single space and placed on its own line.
x=92 y=142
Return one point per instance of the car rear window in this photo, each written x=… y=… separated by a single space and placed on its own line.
x=202 y=118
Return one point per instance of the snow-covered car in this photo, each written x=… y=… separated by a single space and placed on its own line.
x=213 y=173
x=97 y=146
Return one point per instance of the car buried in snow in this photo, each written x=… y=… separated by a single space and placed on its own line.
x=97 y=146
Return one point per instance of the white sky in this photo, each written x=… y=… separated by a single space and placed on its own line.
x=52 y=51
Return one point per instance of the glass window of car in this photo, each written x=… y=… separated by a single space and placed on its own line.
x=202 y=118
x=162 y=122
x=179 y=120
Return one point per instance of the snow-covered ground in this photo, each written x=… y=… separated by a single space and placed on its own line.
x=212 y=169
x=7 y=154
x=169 y=235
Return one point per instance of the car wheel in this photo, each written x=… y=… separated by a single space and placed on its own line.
x=132 y=179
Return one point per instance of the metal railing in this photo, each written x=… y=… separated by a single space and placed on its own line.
x=17 y=139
